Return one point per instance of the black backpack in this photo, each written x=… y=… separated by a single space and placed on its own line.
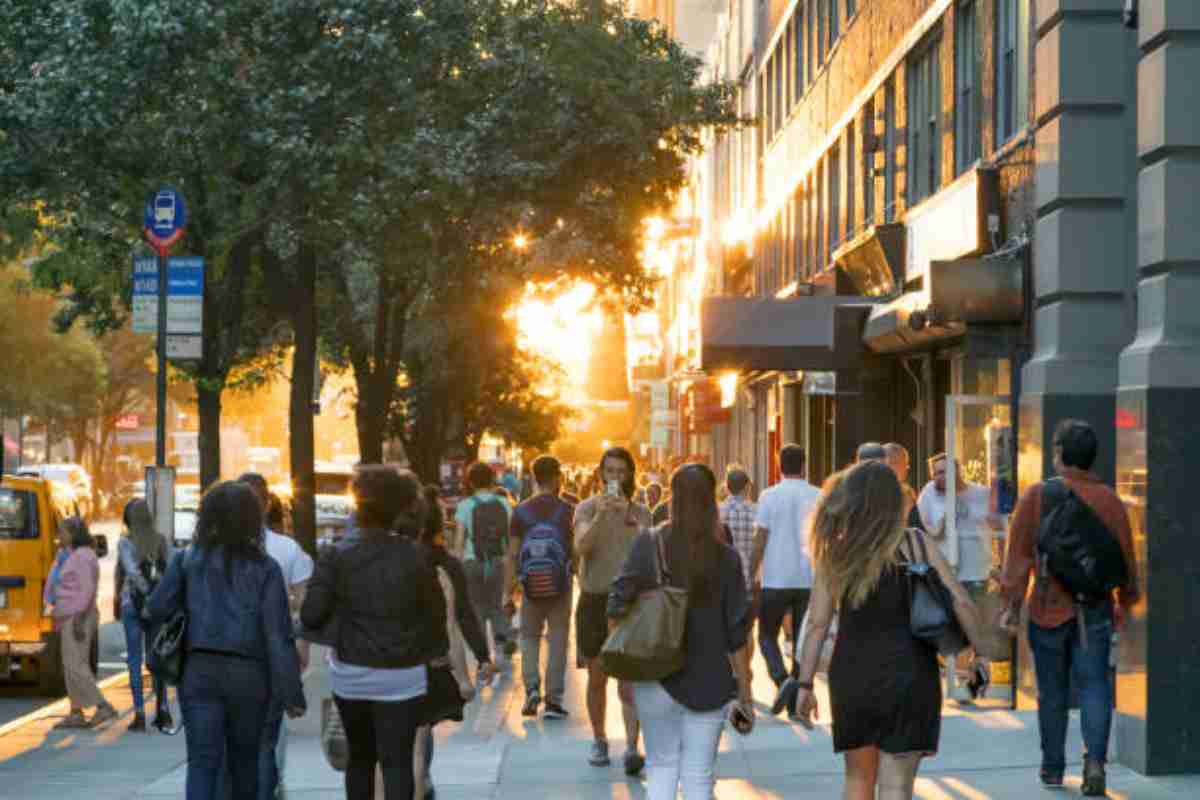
x=1076 y=547
x=489 y=529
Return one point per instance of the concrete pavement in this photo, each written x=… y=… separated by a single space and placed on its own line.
x=497 y=754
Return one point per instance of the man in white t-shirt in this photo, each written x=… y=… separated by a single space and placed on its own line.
x=781 y=550
x=297 y=567
x=973 y=528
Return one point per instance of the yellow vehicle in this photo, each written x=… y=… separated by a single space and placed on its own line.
x=30 y=512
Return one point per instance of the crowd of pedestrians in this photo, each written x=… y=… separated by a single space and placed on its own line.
x=402 y=598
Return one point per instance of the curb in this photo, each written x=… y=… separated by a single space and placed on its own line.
x=58 y=707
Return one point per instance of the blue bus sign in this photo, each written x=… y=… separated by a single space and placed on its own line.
x=165 y=219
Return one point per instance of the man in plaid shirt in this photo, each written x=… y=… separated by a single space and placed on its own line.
x=738 y=514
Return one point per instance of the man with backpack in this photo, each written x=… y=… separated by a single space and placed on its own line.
x=1073 y=533
x=542 y=547
x=482 y=522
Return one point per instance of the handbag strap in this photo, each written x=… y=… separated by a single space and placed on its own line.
x=662 y=572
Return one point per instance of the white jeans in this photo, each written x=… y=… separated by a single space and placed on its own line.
x=681 y=745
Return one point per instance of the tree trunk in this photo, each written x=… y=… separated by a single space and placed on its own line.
x=371 y=423
x=300 y=411
x=208 y=401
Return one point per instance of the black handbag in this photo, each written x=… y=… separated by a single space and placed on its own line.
x=931 y=605
x=443 y=700
x=168 y=647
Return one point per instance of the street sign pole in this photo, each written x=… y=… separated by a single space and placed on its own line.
x=160 y=424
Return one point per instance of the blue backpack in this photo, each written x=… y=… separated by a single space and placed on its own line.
x=542 y=563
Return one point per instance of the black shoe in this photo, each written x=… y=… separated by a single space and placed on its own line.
x=163 y=720
x=786 y=697
x=634 y=763
x=554 y=711
x=532 y=701
x=1051 y=777
x=1094 y=782
x=138 y=724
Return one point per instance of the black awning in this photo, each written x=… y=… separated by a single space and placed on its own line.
x=803 y=333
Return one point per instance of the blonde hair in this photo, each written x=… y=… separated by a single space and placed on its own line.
x=856 y=530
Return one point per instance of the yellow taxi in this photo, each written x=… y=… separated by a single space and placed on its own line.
x=30 y=512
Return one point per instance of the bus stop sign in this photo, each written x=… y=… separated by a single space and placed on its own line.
x=165 y=219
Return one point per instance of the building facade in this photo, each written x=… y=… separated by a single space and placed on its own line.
x=956 y=223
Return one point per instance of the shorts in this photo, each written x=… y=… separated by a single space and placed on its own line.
x=591 y=627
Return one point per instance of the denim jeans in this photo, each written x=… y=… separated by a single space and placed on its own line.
x=136 y=634
x=225 y=703
x=775 y=605
x=1059 y=655
x=681 y=744
x=270 y=756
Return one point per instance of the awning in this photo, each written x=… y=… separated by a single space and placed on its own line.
x=804 y=333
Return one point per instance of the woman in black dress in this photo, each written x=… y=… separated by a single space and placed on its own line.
x=883 y=683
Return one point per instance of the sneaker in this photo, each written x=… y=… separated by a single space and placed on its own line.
x=786 y=697
x=634 y=763
x=1051 y=777
x=532 y=701
x=979 y=681
x=554 y=711
x=105 y=713
x=138 y=725
x=599 y=754
x=1094 y=782
x=163 y=720
x=74 y=720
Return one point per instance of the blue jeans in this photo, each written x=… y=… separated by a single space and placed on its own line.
x=1059 y=655
x=136 y=634
x=268 y=756
x=225 y=703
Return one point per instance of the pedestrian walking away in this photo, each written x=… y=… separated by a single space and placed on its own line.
x=142 y=557
x=482 y=522
x=391 y=624
x=1071 y=634
x=738 y=513
x=297 y=568
x=896 y=457
x=241 y=651
x=969 y=550
x=542 y=545
x=462 y=627
x=684 y=714
x=76 y=620
x=884 y=687
x=781 y=552
x=605 y=527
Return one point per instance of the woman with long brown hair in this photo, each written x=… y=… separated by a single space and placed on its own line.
x=884 y=686
x=683 y=714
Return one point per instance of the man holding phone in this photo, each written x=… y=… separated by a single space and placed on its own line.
x=605 y=526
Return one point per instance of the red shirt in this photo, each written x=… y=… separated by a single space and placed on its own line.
x=1053 y=606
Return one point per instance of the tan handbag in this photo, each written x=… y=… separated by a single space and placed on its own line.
x=648 y=644
x=333 y=736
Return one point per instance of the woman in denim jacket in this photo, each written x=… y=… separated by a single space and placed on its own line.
x=241 y=653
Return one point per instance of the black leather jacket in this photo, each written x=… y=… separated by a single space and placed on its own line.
x=387 y=600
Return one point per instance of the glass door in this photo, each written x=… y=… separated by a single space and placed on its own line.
x=981 y=492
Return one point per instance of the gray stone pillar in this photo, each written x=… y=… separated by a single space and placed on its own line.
x=1158 y=686
x=1085 y=120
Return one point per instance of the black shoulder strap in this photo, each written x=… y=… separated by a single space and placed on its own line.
x=1054 y=492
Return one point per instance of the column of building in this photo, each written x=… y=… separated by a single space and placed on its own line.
x=1158 y=723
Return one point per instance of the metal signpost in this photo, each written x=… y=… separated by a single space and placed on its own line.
x=164 y=223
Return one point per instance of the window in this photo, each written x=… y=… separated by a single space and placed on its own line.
x=850 y=9
x=851 y=168
x=966 y=88
x=822 y=26
x=889 y=143
x=811 y=37
x=835 y=198
x=1012 y=68
x=798 y=51
x=822 y=219
x=797 y=266
x=833 y=23
x=924 y=129
x=789 y=69
x=777 y=76
x=868 y=160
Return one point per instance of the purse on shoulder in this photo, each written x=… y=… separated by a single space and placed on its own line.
x=648 y=643
x=931 y=605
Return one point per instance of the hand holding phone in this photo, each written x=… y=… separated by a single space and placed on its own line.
x=612 y=488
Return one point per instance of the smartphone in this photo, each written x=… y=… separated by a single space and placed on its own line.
x=613 y=489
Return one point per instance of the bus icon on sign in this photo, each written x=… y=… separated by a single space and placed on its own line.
x=164 y=210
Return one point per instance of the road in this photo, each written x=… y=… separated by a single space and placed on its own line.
x=17 y=700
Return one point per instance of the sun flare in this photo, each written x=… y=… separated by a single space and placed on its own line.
x=561 y=329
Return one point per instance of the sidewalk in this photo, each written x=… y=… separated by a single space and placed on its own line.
x=497 y=754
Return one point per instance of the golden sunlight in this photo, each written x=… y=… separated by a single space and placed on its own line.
x=561 y=329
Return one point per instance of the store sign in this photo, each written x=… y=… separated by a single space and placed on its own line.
x=707 y=409
x=128 y=422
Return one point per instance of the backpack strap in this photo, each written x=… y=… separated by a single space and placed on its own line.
x=1054 y=492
